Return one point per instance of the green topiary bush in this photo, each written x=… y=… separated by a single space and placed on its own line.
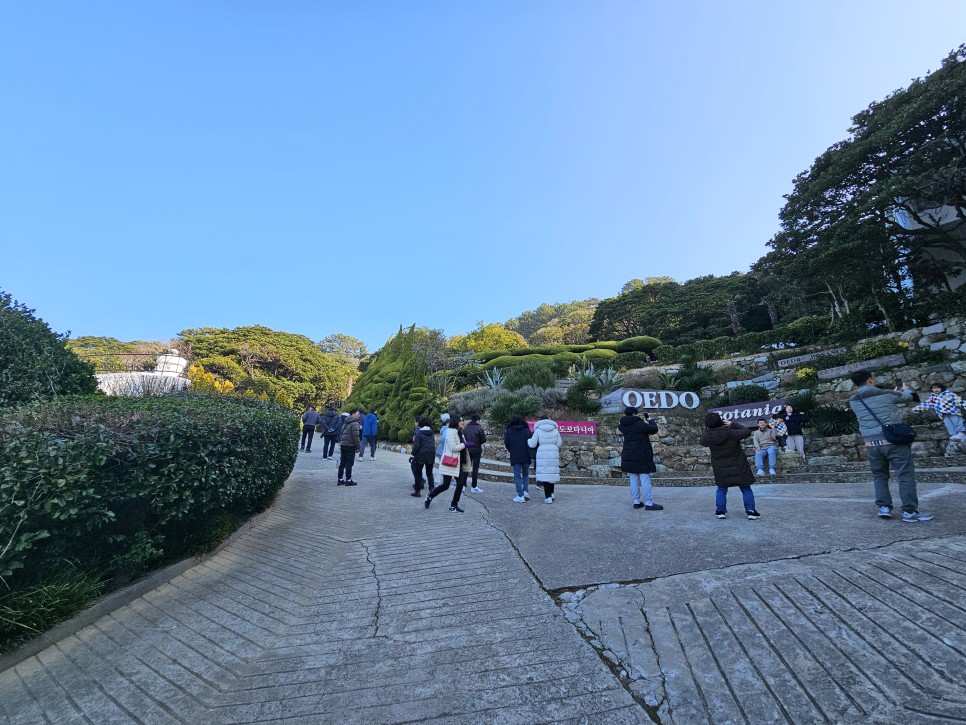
x=748 y=394
x=578 y=398
x=540 y=374
x=643 y=343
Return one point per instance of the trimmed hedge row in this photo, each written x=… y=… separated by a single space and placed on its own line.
x=117 y=485
x=643 y=343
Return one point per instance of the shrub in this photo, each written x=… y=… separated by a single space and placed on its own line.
x=802 y=402
x=748 y=394
x=577 y=395
x=630 y=360
x=473 y=401
x=34 y=363
x=509 y=404
x=806 y=376
x=831 y=420
x=609 y=345
x=692 y=377
x=807 y=329
x=877 y=348
x=598 y=355
x=730 y=373
x=643 y=343
x=535 y=373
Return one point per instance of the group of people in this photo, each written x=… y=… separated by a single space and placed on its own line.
x=351 y=430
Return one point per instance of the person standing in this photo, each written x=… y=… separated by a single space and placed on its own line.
x=310 y=418
x=949 y=407
x=330 y=429
x=423 y=456
x=475 y=437
x=515 y=440
x=442 y=433
x=349 y=442
x=454 y=463
x=637 y=456
x=729 y=463
x=766 y=443
x=370 y=430
x=875 y=407
x=546 y=439
x=796 y=437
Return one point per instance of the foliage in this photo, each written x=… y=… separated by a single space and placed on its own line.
x=877 y=348
x=803 y=401
x=493 y=336
x=607 y=380
x=478 y=400
x=110 y=355
x=493 y=378
x=34 y=362
x=509 y=404
x=535 y=373
x=808 y=329
x=864 y=228
x=397 y=382
x=118 y=485
x=730 y=373
x=344 y=346
x=806 y=376
x=925 y=356
x=578 y=398
x=266 y=361
x=564 y=323
x=630 y=360
x=832 y=420
x=748 y=394
x=690 y=377
x=205 y=383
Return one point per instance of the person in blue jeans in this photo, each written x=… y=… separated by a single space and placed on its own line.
x=515 y=440
x=370 y=430
x=766 y=443
x=875 y=407
x=729 y=463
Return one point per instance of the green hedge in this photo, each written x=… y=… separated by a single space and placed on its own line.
x=118 y=485
x=642 y=343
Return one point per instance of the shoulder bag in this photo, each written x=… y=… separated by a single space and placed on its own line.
x=898 y=433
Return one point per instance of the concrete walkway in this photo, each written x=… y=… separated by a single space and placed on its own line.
x=345 y=605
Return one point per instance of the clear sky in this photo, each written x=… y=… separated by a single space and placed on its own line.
x=322 y=167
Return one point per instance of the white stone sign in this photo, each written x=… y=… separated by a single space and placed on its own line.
x=648 y=400
x=789 y=362
x=888 y=361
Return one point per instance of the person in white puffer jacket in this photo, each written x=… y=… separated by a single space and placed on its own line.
x=546 y=439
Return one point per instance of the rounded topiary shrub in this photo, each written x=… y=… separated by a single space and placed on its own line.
x=748 y=394
x=532 y=372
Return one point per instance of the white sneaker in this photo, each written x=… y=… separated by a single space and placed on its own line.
x=519 y=499
x=476 y=489
x=526 y=495
x=548 y=500
x=771 y=471
x=759 y=472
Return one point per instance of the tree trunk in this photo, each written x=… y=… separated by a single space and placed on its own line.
x=773 y=314
x=733 y=314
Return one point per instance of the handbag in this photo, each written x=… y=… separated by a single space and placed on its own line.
x=449 y=461
x=899 y=434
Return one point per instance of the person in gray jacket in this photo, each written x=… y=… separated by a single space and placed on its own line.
x=875 y=407
x=310 y=419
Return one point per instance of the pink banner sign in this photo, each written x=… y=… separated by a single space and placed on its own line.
x=572 y=427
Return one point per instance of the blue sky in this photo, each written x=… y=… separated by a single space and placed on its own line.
x=322 y=167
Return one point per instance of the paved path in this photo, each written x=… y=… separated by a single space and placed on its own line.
x=357 y=605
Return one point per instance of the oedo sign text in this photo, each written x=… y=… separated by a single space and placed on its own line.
x=648 y=399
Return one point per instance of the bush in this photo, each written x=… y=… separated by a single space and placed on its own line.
x=877 y=348
x=473 y=401
x=509 y=405
x=643 y=343
x=666 y=353
x=806 y=376
x=34 y=363
x=578 y=398
x=598 y=355
x=630 y=360
x=535 y=373
x=802 y=402
x=120 y=484
x=609 y=345
x=831 y=420
x=748 y=394
x=808 y=329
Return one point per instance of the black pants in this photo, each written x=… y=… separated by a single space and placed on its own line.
x=460 y=483
x=417 y=469
x=547 y=489
x=328 y=445
x=475 y=456
x=348 y=456
x=307 y=435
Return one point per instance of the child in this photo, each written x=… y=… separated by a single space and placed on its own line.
x=949 y=408
x=781 y=429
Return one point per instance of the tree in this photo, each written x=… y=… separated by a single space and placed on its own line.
x=565 y=323
x=35 y=363
x=487 y=337
x=345 y=346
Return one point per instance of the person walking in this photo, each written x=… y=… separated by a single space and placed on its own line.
x=350 y=441
x=546 y=439
x=475 y=438
x=370 y=431
x=330 y=429
x=442 y=433
x=310 y=418
x=875 y=408
x=729 y=464
x=766 y=443
x=515 y=440
x=949 y=407
x=423 y=457
x=637 y=456
x=796 y=437
x=454 y=463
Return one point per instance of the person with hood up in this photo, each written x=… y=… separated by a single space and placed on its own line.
x=350 y=441
x=728 y=462
x=515 y=441
x=423 y=457
x=454 y=463
x=546 y=439
x=475 y=438
x=637 y=456
x=370 y=431
x=331 y=426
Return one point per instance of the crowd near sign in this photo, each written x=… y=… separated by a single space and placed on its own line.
x=751 y=411
x=648 y=400
x=888 y=361
x=789 y=362
x=572 y=427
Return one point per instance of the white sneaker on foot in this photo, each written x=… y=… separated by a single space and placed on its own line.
x=548 y=500
x=519 y=499
x=759 y=472
x=771 y=471
x=476 y=489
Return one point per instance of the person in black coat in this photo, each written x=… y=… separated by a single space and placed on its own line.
x=637 y=456
x=423 y=457
x=729 y=463
x=516 y=441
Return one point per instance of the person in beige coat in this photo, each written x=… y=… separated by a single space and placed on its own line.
x=454 y=447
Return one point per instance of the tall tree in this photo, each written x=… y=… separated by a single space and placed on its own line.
x=351 y=348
